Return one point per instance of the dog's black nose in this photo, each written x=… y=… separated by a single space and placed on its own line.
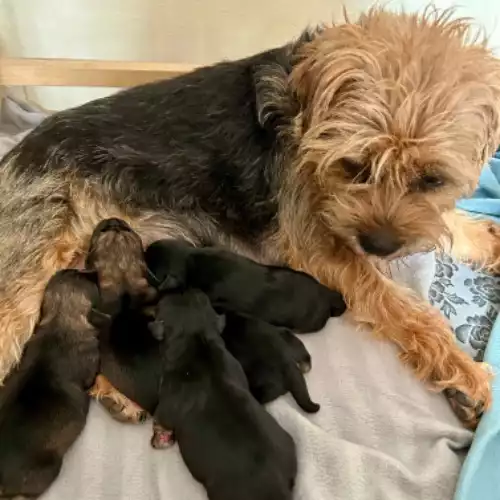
x=382 y=242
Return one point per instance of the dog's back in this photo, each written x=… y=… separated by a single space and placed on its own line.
x=278 y=295
x=43 y=404
x=228 y=441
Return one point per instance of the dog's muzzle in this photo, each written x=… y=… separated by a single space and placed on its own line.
x=381 y=242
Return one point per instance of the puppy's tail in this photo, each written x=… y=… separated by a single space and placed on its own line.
x=297 y=350
x=298 y=388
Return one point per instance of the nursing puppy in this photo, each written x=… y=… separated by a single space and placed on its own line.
x=116 y=254
x=128 y=352
x=44 y=402
x=131 y=363
x=278 y=295
x=227 y=439
x=272 y=359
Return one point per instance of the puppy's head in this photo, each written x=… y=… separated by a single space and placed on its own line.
x=69 y=297
x=184 y=314
x=166 y=260
x=117 y=255
x=398 y=112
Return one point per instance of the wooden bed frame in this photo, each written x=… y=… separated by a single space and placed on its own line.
x=84 y=73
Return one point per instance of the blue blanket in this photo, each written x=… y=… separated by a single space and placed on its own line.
x=480 y=479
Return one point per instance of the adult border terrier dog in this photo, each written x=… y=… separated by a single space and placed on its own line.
x=333 y=154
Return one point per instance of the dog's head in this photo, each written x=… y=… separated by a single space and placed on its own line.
x=184 y=313
x=398 y=112
x=69 y=297
x=167 y=261
x=117 y=255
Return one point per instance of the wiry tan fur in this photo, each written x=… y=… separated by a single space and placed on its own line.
x=402 y=96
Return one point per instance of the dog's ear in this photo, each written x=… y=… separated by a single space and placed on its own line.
x=157 y=329
x=171 y=282
x=275 y=106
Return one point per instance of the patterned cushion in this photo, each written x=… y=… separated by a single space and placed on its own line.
x=469 y=299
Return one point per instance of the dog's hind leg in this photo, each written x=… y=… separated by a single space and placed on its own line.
x=35 y=241
x=45 y=224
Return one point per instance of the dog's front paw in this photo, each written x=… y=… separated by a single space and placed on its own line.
x=489 y=254
x=470 y=401
x=123 y=410
x=467 y=410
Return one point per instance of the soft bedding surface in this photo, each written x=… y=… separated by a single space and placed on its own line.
x=380 y=433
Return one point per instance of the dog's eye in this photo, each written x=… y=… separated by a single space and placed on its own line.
x=355 y=171
x=428 y=182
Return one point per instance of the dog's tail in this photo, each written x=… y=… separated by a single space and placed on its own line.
x=298 y=388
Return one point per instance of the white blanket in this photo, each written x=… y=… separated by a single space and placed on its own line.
x=380 y=434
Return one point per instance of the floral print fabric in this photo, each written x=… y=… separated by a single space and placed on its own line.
x=470 y=300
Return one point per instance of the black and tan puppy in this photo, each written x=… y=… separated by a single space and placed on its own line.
x=272 y=358
x=227 y=439
x=117 y=255
x=44 y=402
x=274 y=294
x=126 y=348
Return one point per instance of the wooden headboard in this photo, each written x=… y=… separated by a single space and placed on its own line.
x=84 y=73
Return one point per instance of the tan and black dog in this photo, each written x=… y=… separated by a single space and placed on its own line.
x=332 y=154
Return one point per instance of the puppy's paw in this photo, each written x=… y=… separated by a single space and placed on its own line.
x=119 y=406
x=161 y=438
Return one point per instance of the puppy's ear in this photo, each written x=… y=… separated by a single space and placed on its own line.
x=152 y=279
x=99 y=320
x=221 y=322
x=170 y=283
x=157 y=329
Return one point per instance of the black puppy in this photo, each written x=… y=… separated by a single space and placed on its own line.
x=272 y=359
x=227 y=439
x=274 y=294
x=44 y=402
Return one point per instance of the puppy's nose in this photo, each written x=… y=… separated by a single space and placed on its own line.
x=112 y=225
x=338 y=304
x=382 y=242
